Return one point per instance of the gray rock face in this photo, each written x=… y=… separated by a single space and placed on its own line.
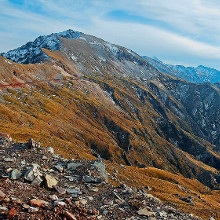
x=16 y=174
x=32 y=173
x=91 y=179
x=37 y=181
x=59 y=167
x=198 y=105
x=101 y=168
x=50 y=181
x=75 y=191
x=73 y=166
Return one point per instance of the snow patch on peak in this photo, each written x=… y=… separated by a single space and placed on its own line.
x=112 y=48
x=69 y=34
x=32 y=53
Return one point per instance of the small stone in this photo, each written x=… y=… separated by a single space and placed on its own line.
x=59 y=203
x=105 y=212
x=8 y=170
x=90 y=198
x=88 y=179
x=9 y=159
x=6 y=199
x=72 y=178
x=50 y=181
x=77 y=203
x=73 y=166
x=145 y=212
x=59 y=167
x=74 y=191
x=38 y=203
x=5 y=176
x=33 y=209
x=83 y=201
x=33 y=144
x=44 y=157
x=26 y=206
x=188 y=200
x=69 y=216
x=23 y=162
x=94 y=189
x=163 y=214
x=211 y=218
x=53 y=197
x=50 y=150
x=17 y=201
x=60 y=190
x=32 y=173
x=3 y=209
x=120 y=201
x=148 y=188
x=37 y=181
x=12 y=213
x=2 y=195
x=16 y=174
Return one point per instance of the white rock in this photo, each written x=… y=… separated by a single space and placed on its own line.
x=60 y=203
x=32 y=209
x=145 y=212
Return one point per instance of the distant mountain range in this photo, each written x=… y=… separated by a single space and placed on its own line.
x=198 y=74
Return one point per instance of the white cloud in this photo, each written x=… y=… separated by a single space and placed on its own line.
x=151 y=41
x=191 y=32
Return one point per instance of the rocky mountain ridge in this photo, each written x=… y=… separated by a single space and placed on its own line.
x=104 y=57
x=32 y=53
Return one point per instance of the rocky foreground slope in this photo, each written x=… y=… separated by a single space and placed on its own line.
x=38 y=184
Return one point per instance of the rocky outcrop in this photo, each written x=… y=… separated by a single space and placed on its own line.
x=80 y=191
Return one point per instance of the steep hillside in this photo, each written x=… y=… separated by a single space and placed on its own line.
x=88 y=97
x=117 y=117
x=197 y=74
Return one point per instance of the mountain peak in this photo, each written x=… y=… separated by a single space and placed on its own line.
x=70 y=34
x=31 y=52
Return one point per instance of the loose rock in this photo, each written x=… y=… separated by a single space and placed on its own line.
x=50 y=181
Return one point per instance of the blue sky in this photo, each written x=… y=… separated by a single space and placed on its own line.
x=177 y=32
